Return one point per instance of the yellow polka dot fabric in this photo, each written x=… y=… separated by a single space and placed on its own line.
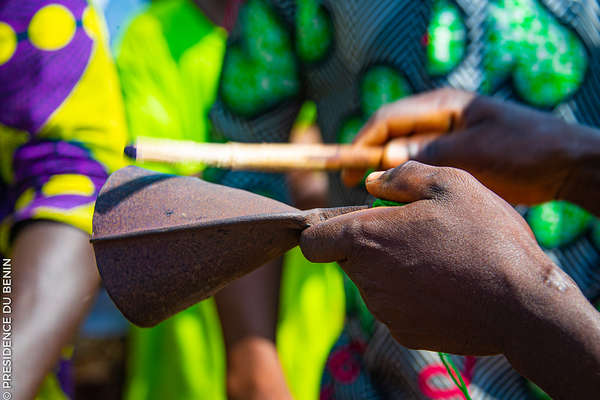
x=8 y=42
x=68 y=184
x=52 y=27
x=62 y=123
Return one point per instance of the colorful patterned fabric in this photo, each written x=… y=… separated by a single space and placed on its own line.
x=59 y=385
x=446 y=38
x=558 y=223
x=62 y=129
x=51 y=390
x=546 y=60
x=349 y=57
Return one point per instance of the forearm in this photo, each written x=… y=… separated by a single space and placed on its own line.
x=254 y=371
x=582 y=186
x=560 y=351
x=248 y=309
x=249 y=305
x=55 y=282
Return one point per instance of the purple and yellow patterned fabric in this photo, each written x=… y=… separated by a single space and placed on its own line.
x=62 y=127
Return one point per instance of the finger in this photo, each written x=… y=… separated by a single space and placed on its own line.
x=394 y=123
x=335 y=238
x=328 y=241
x=412 y=181
x=396 y=152
x=436 y=111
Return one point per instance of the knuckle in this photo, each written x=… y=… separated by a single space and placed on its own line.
x=408 y=168
x=350 y=233
x=411 y=164
x=309 y=242
x=438 y=190
x=440 y=182
x=447 y=95
x=462 y=177
x=396 y=177
x=482 y=108
x=382 y=113
x=451 y=182
x=447 y=91
x=352 y=238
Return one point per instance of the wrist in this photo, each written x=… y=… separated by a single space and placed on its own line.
x=557 y=343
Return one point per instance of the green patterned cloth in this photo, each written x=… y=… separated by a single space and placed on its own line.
x=558 y=223
x=446 y=38
x=382 y=85
x=379 y=85
x=248 y=86
x=545 y=59
x=315 y=33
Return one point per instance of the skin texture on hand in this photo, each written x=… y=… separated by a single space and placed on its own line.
x=525 y=156
x=458 y=270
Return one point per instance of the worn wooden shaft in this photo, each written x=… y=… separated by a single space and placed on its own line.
x=273 y=156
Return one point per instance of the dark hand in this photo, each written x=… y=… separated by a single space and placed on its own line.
x=525 y=156
x=445 y=271
x=458 y=270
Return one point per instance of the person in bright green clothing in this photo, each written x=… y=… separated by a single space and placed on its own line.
x=169 y=60
x=159 y=59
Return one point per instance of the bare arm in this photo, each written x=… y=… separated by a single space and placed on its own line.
x=55 y=282
x=248 y=309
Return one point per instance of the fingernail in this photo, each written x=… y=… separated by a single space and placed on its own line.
x=373 y=176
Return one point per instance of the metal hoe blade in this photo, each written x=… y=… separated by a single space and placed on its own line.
x=165 y=242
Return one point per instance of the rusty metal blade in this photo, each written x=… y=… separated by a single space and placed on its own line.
x=164 y=242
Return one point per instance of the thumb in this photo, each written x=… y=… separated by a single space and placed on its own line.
x=412 y=181
x=399 y=150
